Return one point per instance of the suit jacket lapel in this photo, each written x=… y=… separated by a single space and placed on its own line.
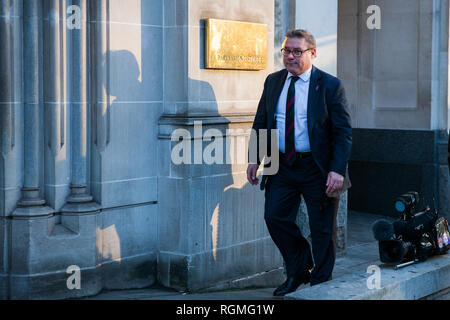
x=313 y=95
x=275 y=95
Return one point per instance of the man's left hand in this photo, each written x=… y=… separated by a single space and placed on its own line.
x=334 y=182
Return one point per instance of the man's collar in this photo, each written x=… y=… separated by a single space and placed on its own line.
x=305 y=76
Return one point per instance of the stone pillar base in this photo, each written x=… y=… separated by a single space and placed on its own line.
x=43 y=248
x=256 y=263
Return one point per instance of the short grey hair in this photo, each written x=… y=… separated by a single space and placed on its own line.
x=301 y=33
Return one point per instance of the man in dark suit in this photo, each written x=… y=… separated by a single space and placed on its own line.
x=309 y=110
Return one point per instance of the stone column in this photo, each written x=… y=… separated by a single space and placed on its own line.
x=99 y=53
x=52 y=75
x=6 y=125
x=439 y=102
x=55 y=77
x=6 y=136
x=35 y=271
x=439 y=65
x=79 y=200
x=31 y=203
x=99 y=59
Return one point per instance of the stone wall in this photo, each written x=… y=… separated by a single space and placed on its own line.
x=78 y=172
x=211 y=225
x=86 y=173
x=396 y=80
x=387 y=163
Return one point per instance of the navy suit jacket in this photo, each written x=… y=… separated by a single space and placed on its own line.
x=328 y=117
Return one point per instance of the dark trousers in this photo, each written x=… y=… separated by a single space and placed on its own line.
x=283 y=194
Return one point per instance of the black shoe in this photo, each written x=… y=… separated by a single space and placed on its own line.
x=291 y=284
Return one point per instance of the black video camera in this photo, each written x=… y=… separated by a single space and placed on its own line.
x=415 y=236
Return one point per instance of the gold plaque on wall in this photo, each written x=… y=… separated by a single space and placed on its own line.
x=235 y=45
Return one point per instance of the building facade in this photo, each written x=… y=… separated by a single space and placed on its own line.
x=91 y=93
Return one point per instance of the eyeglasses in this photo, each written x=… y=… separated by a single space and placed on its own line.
x=296 y=52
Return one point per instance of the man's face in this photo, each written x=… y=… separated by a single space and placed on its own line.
x=298 y=65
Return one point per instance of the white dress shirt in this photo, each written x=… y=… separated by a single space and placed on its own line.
x=301 y=107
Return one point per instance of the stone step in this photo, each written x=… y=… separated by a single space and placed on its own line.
x=409 y=283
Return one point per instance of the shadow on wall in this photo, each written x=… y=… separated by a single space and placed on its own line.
x=125 y=84
x=126 y=235
x=228 y=204
x=232 y=237
x=233 y=210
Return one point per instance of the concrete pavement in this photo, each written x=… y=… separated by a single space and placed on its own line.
x=349 y=277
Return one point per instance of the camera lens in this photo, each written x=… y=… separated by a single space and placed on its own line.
x=400 y=206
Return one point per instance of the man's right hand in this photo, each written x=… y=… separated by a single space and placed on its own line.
x=251 y=173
